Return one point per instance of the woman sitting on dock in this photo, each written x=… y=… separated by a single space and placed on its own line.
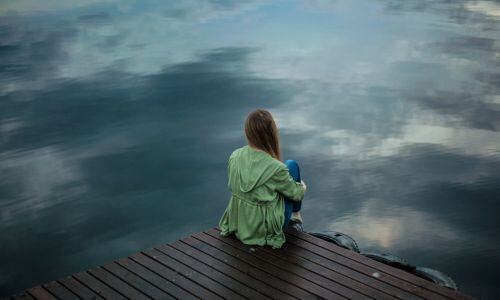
x=266 y=194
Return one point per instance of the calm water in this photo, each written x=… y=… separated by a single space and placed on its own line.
x=117 y=119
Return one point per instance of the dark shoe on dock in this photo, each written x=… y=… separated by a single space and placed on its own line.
x=295 y=225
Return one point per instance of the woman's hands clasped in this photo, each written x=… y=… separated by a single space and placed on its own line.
x=303 y=185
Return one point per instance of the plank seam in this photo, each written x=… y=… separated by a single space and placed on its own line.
x=215 y=270
x=310 y=270
x=273 y=287
x=332 y=270
x=354 y=270
x=69 y=290
x=423 y=286
x=97 y=292
x=127 y=283
x=145 y=279
x=159 y=274
x=42 y=287
x=286 y=270
x=181 y=273
x=173 y=282
x=225 y=274
x=236 y=292
x=114 y=289
x=62 y=283
x=85 y=285
x=271 y=274
x=392 y=277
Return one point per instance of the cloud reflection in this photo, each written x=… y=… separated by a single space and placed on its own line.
x=152 y=136
x=381 y=228
x=116 y=121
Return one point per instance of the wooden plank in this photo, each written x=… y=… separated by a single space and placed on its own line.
x=336 y=258
x=136 y=282
x=211 y=272
x=231 y=271
x=60 y=291
x=279 y=279
x=267 y=283
x=79 y=289
x=23 y=296
x=117 y=284
x=315 y=272
x=381 y=268
x=40 y=293
x=97 y=286
x=337 y=262
x=365 y=276
x=194 y=275
x=173 y=276
x=288 y=272
x=207 y=265
x=155 y=279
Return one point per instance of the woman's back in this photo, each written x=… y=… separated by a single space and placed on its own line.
x=258 y=184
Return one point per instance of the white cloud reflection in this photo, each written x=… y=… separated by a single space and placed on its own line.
x=489 y=8
x=49 y=176
x=354 y=100
x=375 y=226
x=348 y=143
x=40 y=173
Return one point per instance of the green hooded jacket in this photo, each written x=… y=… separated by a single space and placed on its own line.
x=258 y=184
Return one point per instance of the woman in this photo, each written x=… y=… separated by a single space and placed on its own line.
x=265 y=192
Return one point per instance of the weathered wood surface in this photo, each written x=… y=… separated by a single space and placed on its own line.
x=208 y=266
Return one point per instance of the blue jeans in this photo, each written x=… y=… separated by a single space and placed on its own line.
x=290 y=205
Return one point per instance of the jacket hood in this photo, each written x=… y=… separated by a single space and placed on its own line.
x=252 y=167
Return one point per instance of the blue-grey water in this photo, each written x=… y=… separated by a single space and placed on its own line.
x=117 y=119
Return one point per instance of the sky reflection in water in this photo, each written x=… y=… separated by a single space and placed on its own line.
x=116 y=121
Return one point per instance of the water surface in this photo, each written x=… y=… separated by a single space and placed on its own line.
x=117 y=119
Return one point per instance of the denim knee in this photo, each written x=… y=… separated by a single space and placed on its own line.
x=293 y=168
x=291 y=163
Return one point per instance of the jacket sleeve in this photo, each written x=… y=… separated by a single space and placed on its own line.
x=285 y=185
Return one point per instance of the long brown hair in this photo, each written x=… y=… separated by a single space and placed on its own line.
x=262 y=133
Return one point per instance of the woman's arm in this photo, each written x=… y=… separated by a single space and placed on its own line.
x=285 y=185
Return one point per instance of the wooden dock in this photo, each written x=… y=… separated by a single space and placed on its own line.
x=206 y=265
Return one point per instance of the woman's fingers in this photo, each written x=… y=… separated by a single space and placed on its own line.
x=303 y=184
